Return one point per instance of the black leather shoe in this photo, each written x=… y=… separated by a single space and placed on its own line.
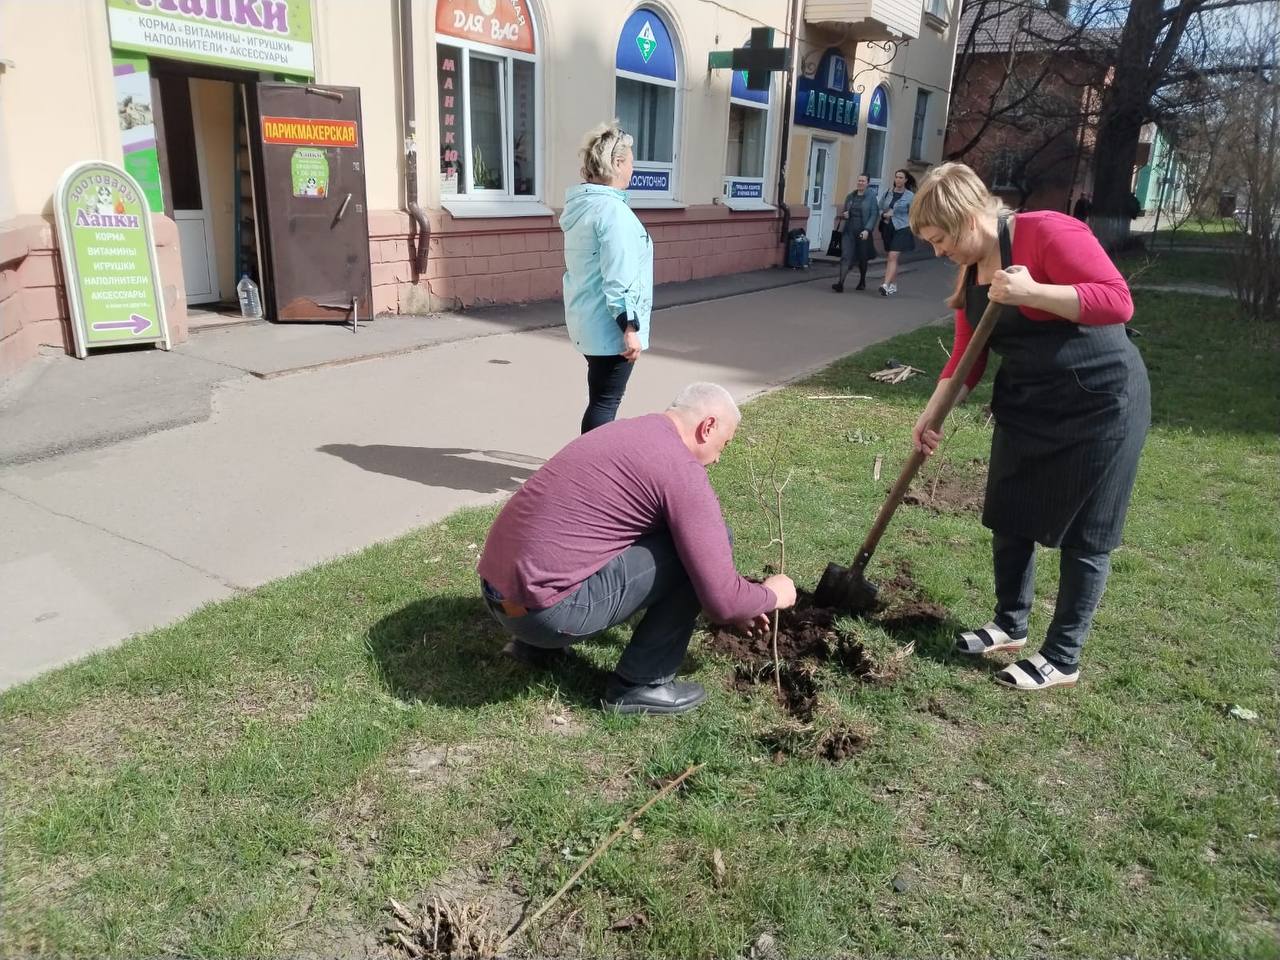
x=861 y=286
x=676 y=696
x=536 y=658
x=838 y=287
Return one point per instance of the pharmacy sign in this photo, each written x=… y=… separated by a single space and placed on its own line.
x=646 y=41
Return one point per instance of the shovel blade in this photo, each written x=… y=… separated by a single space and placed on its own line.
x=846 y=589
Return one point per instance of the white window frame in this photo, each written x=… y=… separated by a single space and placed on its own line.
x=770 y=131
x=938 y=10
x=874 y=182
x=643 y=199
x=499 y=203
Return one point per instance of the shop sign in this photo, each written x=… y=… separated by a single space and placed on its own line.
x=497 y=23
x=650 y=181
x=271 y=35
x=310 y=133
x=824 y=101
x=309 y=172
x=645 y=47
x=137 y=125
x=746 y=189
x=878 y=109
x=108 y=259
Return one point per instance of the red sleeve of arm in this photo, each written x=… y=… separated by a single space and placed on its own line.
x=964 y=333
x=1073 y=257
x=702 y=541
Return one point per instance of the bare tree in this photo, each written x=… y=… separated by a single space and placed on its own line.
x=1164 y=45
x=1256 y=109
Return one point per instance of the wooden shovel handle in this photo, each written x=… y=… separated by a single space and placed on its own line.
x=977 y=343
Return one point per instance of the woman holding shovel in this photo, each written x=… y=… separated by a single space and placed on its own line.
x=1071 y=401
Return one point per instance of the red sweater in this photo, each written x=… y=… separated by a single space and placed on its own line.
x=1060 y=250
x=600 y=494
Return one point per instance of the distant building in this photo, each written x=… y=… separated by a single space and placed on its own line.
x=1028 y=100
x=1159 y=179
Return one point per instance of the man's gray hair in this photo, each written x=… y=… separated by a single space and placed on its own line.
x=706 y=399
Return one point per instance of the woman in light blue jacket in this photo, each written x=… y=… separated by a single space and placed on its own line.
x=608 y=279
x=895 y=208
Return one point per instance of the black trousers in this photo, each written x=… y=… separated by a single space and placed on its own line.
x=1082 y=578
x=606 y=383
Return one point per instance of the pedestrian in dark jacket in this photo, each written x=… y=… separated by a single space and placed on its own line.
x=856 y=243
x=1072 y=405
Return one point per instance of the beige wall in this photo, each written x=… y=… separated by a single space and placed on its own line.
x=62 y=55
x=61 y=50
x=57 y=102
x=214 y=108
x=577 y=44
x=356 y=46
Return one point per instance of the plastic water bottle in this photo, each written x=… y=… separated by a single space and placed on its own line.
x=250 y=300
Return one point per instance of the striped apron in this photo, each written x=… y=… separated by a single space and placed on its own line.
x=1072 y=405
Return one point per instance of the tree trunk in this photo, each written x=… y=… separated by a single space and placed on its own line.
x=1126 y=102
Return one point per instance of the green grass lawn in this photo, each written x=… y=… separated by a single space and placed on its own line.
x=259 y=778
x=1165 y=266
x=1198 y=232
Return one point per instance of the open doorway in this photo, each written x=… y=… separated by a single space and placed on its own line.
x=203 y=146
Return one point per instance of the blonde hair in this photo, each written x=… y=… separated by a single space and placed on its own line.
x=950 y=198
x=604 y=144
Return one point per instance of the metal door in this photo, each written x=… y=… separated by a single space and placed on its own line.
x=818 y=193
x=310 y=194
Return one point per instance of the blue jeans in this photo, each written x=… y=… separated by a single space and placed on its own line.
x=1082 y=578
x=606 y=382
x=647 y=576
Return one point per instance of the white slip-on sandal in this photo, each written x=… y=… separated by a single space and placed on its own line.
x=988 y=639
x=1034 y=673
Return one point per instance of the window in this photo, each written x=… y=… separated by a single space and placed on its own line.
x=936 y=8
x=747 y=148
x=648 y=113
x=486 y=78
x=877 y=134
x=647 y=103
x=747 y=126
x=917 y=125
x=1005 y=169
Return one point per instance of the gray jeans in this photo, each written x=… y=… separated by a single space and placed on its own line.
x=647 y=576
x=1082 y=578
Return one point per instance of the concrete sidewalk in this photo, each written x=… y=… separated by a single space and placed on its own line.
x=290 y=471
x=59 y=405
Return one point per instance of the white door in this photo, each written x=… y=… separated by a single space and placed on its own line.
x=818 y=193
x=189 y=183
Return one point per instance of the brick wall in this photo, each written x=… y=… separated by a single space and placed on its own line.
x=33 y=303
x=473 y=262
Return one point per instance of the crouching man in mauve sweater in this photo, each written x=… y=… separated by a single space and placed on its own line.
x=624 y=519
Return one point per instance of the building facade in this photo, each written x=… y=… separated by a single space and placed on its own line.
x=1159 y=179
x=872 y=96
x=471 y=112
x=1025 y=104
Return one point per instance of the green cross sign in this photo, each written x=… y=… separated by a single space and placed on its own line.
x=646 y=41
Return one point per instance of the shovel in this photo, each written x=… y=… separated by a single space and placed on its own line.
x=847 y=589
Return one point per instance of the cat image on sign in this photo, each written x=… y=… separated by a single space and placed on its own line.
x=105 y=202
x=311 y=188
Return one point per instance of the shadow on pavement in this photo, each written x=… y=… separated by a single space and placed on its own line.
x=452 y=467
x=446 y=650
